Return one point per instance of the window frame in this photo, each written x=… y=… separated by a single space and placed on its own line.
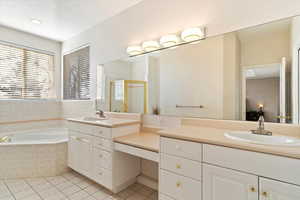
x=41 y=51
x=101 y=97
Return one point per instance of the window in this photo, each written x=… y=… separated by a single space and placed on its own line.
x=77 y=75
x=25 y=74
x=101 y=79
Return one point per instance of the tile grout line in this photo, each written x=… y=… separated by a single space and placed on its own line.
x=57 y=187
x=74 y=184
x=36 y=192
x=11 y=193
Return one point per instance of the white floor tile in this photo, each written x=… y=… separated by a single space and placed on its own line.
x=56 y=180
x=69 y=186
x=100 y=195
x=79 y=195
x=71 y=190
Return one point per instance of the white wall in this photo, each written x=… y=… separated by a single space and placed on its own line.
x=151 y=19
x=15 y=110
x=266 y=49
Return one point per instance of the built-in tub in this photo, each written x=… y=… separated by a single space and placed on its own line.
x=33 y=153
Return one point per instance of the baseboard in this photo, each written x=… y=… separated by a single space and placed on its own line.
x=147 y=181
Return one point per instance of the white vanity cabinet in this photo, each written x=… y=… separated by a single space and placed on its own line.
x=275 y=190
x=90 y=152
x=195 y=171
x=80 y=151
x=220 y=183
x=180 y=170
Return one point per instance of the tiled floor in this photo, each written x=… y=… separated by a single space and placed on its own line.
x=69 y=186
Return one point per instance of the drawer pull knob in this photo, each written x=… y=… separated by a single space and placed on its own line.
x=177 y=147
x=100 y=173
x=178 y=184
x=265 y=194
x=252 y=189
x=100 y=156
x=100 y=132
x=178 y=166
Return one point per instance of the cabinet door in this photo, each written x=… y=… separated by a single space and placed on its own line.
x=73 y=145
x=220 y=184
x=275 y=190
x=85 y=154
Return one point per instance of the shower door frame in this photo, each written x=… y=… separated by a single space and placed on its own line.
x=125 y=94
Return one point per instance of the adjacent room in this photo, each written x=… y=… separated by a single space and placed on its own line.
x=149 y=100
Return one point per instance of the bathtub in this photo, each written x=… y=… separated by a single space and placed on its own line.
x=34 y=153
x=42 y=136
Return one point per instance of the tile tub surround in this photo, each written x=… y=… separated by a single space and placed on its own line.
x=37 y=160
x=15 y=126
x=71 y=186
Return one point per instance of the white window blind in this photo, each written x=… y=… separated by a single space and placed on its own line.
x=77 y=75
x=25 y=74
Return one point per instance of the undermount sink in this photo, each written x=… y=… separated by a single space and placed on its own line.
x=95 y=119
x=263 y=139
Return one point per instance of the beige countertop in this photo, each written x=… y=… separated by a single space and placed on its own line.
x=216 y=136
x=147 y=141
x=109 y=122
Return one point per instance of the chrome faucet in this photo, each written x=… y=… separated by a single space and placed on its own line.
x=261 y=127
x=100 y=113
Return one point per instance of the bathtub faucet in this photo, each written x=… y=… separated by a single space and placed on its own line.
x=100 y=113
x=4 y=139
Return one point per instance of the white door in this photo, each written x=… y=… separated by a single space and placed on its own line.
x=283 y=91
x=275 y=190
x=224 y=184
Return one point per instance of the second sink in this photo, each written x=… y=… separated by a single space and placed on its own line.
x=276 y=140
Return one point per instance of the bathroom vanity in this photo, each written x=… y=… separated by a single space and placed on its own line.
x=91 y=151
x=201 y=163
x=195 y=162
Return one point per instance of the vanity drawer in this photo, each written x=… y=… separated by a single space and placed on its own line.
x=185 y=149
x=102 y=143
x=181 y=166
x=90 y=129
x=103 y=177
x=102 y=158
x=179 y=187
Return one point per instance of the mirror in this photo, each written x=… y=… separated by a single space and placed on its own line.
x=235 y=76
x=128 y=96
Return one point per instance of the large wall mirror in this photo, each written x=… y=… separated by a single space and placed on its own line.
x=235 y=76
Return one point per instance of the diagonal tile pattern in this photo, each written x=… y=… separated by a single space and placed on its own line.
x=69 y=186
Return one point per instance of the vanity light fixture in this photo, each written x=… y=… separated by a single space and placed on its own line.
x=169 y=40
x=150 y=45
x=192 y=34
x=134 y=50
